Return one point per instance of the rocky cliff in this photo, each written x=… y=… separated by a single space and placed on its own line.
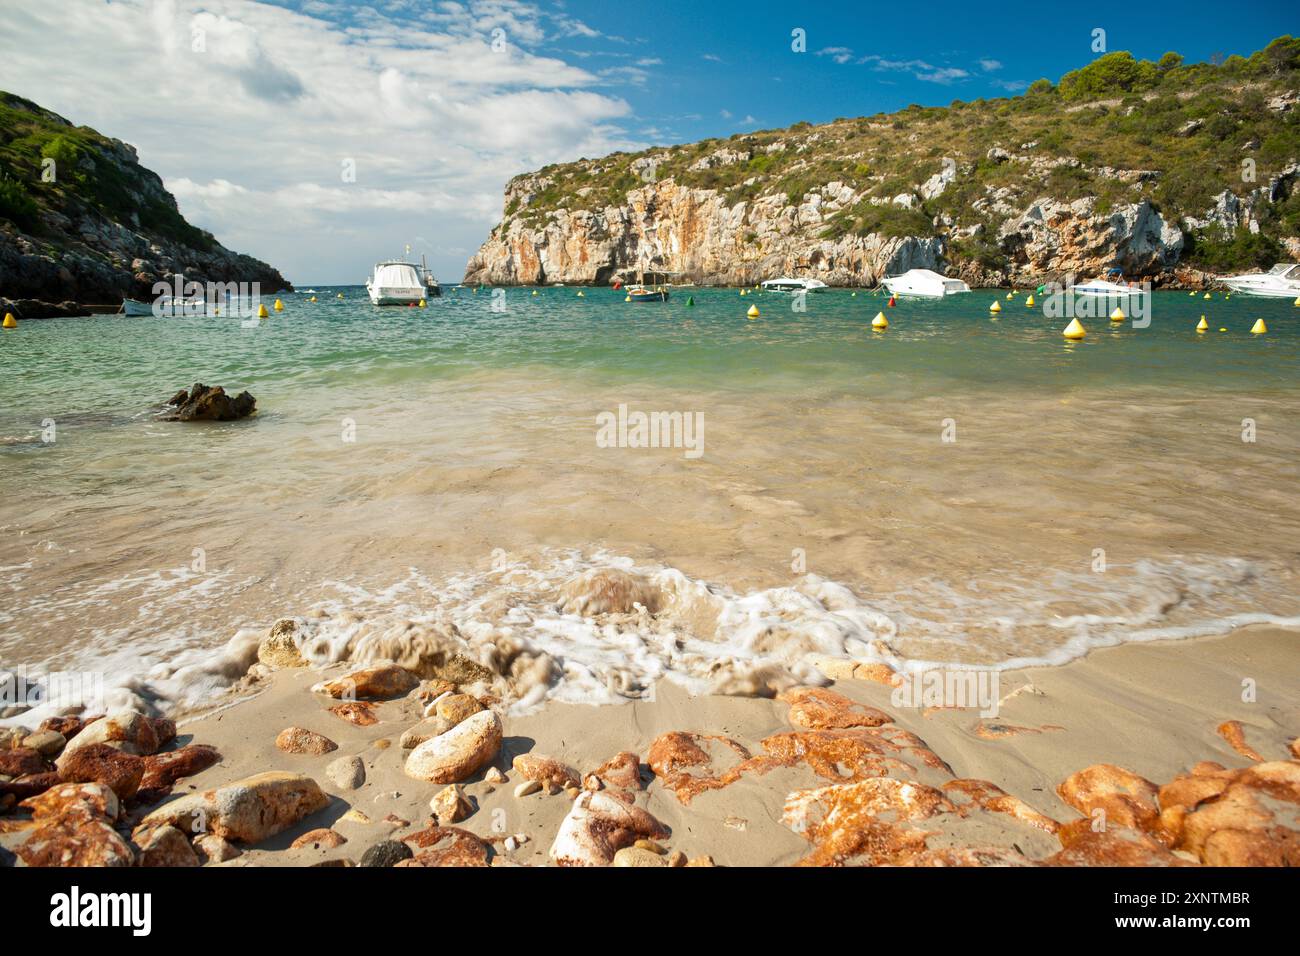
x=1163 y=171
x=82 y=222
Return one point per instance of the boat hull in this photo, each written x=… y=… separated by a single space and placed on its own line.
x=383 y=296
x=1246 y=287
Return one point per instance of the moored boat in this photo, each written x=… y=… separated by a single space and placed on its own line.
x=396 y=282
x=1280 y=282
x=794 y=285
x=924 y=283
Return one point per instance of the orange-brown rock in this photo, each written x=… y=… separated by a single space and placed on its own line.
x=684 y=762
x=246 y=811
x=815 y=708
x=163 y=846
x=162 y=770
x=356 y=712
x=598 y=825
x=1126 y=799
x=990 y=797
x=864 y=822
x=547 y=771
x=116 y=769
x=29 y=785
x=998 y=731
x=447 y=846
x=374 y=683
x=68 y=726
x=430 y=690
x=296 y=740
x=457 y=707
x=322 y=838
x=1235 y=735
x=1114 y=846
x=622 y=771
x=970 y=856
x=128 y=731
x=20 y=761
x=73 y=827
x=1253 y=821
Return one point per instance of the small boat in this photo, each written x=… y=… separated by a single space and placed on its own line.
x=1108 y=290
x=924 y=283
x=396 y=282
x=657 y=291
x=794 y=285
x=431 y=287
x=135 y=307
x=1280 y=282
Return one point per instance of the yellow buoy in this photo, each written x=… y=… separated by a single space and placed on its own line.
x=1118 y=315
x=534 y=292
x=10 y=322
x=1029 y=302
x=1223 y=330
x=422 y=303
x=279 y=306
x=1074 y=330
x=742 y=291
x=312 y=299
x=996 y=306
x=261 y=310
x=1202 y=325
x=628 y=299
x=1193 y=292
x=753 y=312
x=581 y=294
x=340 y=295
x=1259 y=328
x=880 y=323
x=1297 y=301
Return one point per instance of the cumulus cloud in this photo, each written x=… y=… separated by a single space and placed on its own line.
x=252 y=112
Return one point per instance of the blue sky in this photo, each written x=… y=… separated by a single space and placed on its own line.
x=436 y=103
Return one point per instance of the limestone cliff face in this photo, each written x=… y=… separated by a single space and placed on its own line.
x=693 y=231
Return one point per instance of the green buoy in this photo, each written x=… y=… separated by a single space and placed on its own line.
x=690 y=300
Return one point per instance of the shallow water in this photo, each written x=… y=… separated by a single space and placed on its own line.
x=827 y=513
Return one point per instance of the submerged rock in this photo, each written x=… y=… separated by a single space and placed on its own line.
x=208 y=404
x=609 y=591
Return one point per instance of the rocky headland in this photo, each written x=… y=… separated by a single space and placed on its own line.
x=1168 y=172
x=82 y=222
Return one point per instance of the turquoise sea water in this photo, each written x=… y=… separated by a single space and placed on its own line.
x=413 y=473
x=108 y=364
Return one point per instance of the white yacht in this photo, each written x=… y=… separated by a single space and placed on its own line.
x=923 y=282
x=1282 y=282
x=395 y=283
x=794 y=285
x=1108 y=290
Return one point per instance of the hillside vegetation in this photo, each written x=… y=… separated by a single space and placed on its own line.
x=1120 y=130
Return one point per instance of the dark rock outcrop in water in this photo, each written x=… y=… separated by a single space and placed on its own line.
x=1164 y=171
x=102 y=230
x=204 y=403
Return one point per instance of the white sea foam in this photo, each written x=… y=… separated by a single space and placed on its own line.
x=704 y=636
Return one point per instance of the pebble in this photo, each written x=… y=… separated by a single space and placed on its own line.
x=494 y=775
x=296 y=740
x=650 y=845
x=511 y=844
x=636 y=856
x=527 y=787
x=677 y=858
x=45 y=742
x=386 y=853
x=215 y=849
x=346 y=773
x=354 y=816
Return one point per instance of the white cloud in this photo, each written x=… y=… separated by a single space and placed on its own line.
x=251 y=131
x=988 y=66
x=840 y=54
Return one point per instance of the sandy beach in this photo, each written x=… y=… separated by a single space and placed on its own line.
x=818 y=776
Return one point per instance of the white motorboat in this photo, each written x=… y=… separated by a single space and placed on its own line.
x=396 y=283
x=924 y=282
x=793 y=285
x=1280 y=282
x=1108 y=290
x=135 y=307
